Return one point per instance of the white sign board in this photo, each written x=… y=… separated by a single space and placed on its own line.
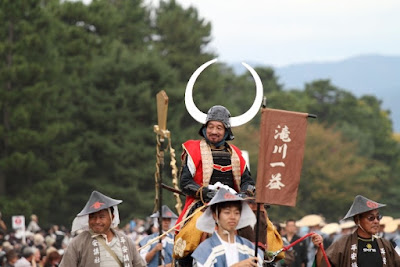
x=18 y=222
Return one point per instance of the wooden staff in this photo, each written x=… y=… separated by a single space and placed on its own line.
x=162 y=134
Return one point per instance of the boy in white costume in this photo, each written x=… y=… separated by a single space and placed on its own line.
x=226 y=212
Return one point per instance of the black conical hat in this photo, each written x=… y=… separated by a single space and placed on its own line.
x=360 y=205
x=97 y=202
x=166 y=212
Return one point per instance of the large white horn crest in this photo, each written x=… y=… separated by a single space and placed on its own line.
x=235 y=121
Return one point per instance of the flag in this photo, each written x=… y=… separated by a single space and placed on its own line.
x=280 y=157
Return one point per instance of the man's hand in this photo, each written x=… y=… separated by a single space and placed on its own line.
x=250 y=190
x=150 y=255
x=158 y=247
x=317 y=239
x=219 y=185
x=208 y=194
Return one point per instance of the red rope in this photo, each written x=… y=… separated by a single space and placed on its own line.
x=297 y=241
x=323 y=253
x=301 y=239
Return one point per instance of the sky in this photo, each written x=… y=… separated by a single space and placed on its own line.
x=283 y=32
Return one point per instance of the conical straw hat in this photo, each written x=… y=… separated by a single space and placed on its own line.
x=347 y=224
x=385 y=220
x=311 y=220
x=391 y=227
x=330 y=228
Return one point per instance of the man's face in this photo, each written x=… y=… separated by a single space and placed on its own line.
x=229 y=218
x=13 y=260
x=369 y=221
x=36 y=255
x=100 y=221
x=291 y=227
x=166 y=223
x=215 y=131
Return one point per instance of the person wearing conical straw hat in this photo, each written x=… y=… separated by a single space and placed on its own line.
x=331 y=231
x=361 y=248
x=225 y=213
x=382 y=225
x=347 y=227
x=392 y=233
x=151 y=253
x=314 y=223
x=98 y=244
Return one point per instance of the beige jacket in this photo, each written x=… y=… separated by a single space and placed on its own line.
x=82 y=249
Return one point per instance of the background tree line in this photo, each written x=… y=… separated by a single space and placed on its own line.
x=78 y=86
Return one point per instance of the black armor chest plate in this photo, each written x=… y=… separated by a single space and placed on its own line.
x=222 y=167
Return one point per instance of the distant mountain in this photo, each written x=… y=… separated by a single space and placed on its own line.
x=362 y=75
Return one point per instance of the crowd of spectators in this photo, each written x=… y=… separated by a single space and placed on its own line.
x=39 y=247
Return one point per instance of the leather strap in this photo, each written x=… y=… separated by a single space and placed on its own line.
x=112 y=253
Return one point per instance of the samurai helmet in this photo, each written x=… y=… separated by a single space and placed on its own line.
x=219 y=113
x=222 y=114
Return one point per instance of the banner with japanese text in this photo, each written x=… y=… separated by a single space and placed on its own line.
x=280 y=157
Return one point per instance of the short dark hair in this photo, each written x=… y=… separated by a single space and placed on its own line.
x=11 y=254
x=290 y=220
x=219 y=206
